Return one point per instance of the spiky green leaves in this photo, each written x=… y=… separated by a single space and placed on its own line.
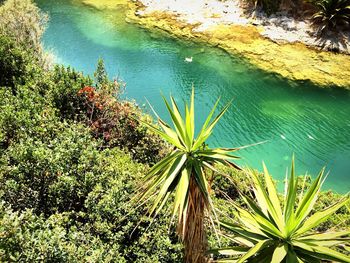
x=266 y=234
x=189 y=160
x=332 y=14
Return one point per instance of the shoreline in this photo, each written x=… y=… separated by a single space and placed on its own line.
x=278 y=27
x=294 y=61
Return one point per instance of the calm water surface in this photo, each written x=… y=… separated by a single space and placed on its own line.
x=298 y=118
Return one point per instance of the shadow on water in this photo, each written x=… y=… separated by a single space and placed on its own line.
x=298 y=118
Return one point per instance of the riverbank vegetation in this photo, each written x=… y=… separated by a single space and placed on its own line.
x=278 y=43
x=73 y=154
x=329 y=16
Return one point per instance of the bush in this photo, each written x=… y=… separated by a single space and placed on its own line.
x=26 y=237
x=66 y=83
x=52 y=172
x=23 y=21
x=108 y=229
x=115 y=220
x=22 y=114
x=12 y=63
x=114 y=120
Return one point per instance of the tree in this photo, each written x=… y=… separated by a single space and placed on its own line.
x=269 y=232
x=101 y=77
x=25 y=23
x=184 y=173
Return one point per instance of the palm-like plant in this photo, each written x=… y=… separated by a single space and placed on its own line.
x=183 y=172
x=332 y=14
x=272 y=233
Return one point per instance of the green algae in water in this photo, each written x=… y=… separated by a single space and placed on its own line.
x=293 y=117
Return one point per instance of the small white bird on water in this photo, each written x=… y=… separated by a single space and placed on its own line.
x=189 y=60
x=310 y=137
x=283 y=137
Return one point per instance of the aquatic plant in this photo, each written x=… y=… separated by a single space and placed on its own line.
x=184 y=172
x=270 y=232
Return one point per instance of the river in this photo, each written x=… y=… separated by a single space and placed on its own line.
x=292 y=117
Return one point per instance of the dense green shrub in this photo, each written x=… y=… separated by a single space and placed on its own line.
x=12 y=63
x=52 y=172
x=229 y=182
x=108 y=229
x=21 y=114
x=115 y=220
x=66 y=83
x=116 y=121
x=26 y=237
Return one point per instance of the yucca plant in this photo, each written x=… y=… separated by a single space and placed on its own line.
x=184 y=173
x=331 y=14
x=270 y=232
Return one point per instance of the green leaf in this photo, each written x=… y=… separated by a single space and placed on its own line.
x=181 y=194
x=292 y=257
x=326 y=236
x=172 y=174
x=279 y=254
x=190 y=120
x=289 y=216
x=164 y=135
x=323 y=252
x=320 y=217
x=207 y=130
x=309 y=200
x=176 y=119
x=275 y=207
x=252 y=237
x=254 y=250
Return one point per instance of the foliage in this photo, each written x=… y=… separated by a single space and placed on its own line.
x=76 y=189
x=332 y=15
x=229 y=182
x=39 y=170
x=107 y=229
x=23 y=21
x=115 y=122
x=21 y=114
x=100 y=74
x=272 y=233
x=183 y=172
x=268 y=6
x=12 y=63
x=109 y=118
x=327 y=15
x=66 y=83
x=65 y=186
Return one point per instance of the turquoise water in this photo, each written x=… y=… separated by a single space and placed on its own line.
x=298 y=118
